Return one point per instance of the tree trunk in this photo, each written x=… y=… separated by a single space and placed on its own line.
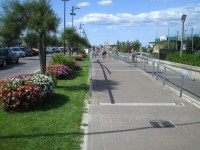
x=42 y=54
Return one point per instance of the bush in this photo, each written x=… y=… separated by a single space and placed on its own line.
x=25 y=91
x=59 y=71
x=78 y=57
x=83 y=53
x=65 y=60
x=189 y=59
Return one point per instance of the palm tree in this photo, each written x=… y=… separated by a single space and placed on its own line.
x=73 y=39
x=32 y=15
x=41 y=19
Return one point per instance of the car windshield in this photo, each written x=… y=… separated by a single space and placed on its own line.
x=15 y=50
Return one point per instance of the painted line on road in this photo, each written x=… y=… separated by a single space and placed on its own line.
x=118 y=70
x=142 y=104
x=186 y=97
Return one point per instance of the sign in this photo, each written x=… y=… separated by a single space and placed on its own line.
x=163 y=38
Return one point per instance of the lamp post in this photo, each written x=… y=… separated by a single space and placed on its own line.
x=183 y=20
x=73 y=14
x=177 y=41
x=81 y=28
x=64 y=47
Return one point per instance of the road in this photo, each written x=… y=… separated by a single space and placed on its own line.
x=25 y=65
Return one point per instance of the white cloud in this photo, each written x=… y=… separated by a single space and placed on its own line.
x=83 y=4
x=105 y=2
x=168 y=17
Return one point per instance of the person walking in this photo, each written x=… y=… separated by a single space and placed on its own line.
x=134 y=55
x=103 y=53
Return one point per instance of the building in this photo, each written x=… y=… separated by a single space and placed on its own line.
x=167 y=44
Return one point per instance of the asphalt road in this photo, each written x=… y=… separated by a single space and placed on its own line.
x=25 y=65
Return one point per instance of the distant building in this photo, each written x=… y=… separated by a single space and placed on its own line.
x=170 y=43
x=164 y=45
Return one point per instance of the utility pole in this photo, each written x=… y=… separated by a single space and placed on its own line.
x=177 y=40
x=73 y=14
x=64 y=47
x=183 y=21
x=80 y=27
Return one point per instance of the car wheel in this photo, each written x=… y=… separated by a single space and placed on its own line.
x=4 y=63
x=17 y=61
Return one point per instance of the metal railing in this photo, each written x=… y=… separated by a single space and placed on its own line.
x=145 y=59
x=91 y=56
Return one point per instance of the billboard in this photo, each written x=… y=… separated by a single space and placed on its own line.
x=163 y=38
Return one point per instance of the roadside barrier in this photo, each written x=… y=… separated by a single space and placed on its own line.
x=91 y=56
x=145 y=59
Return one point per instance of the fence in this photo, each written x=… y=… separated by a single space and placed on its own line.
x=145 y=58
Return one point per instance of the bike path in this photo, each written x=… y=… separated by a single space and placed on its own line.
x=130 y=110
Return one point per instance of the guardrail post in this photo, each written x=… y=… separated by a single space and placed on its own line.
x=136 y=61
x=91 y=74
x=144 y=64
x=181 y=87
x=164 y=76
x=153 y=69
x=157 y=71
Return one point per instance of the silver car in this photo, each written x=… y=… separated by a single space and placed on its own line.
x=18 y=52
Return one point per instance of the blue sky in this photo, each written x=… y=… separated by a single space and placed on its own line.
x=106 y=21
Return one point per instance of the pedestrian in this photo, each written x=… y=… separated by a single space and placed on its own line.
x=133 y=54
x=103 y=53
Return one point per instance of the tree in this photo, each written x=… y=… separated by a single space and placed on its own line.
x=73 y=39
x=41 y=20
x=196 y=43
x=31 y=39
x=53 y=40
x=128 y=45
x=11 y=22
x=36 y=16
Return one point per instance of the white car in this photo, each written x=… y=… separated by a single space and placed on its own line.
x=18 y=52
x=49 y=50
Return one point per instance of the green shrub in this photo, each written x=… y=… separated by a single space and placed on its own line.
x=189 y=59
x=83 y=53
x=79 y=57
x=65 y=60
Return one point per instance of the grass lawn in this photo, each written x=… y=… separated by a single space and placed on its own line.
x=55 y=127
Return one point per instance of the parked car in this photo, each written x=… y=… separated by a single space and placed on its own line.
x=56 y=49
x=9 y=55
x=49 y=50
x=28 y=51
x=35 y=51
x=197 y=52
x=2 y=60
x=18 y=51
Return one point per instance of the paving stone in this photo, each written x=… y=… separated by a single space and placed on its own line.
x=119 y=127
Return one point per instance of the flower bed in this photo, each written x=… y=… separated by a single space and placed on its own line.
x=59 y=71
x=25 y=91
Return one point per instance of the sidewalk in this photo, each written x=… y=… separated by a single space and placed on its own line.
x=130 y=110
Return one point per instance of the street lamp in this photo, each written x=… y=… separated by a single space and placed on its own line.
x=64 y=47
x=183 y=20
x=81 y=28
x=177 y=40
x=73 y=14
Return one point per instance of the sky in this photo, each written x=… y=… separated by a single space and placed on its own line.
x=107 y=21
